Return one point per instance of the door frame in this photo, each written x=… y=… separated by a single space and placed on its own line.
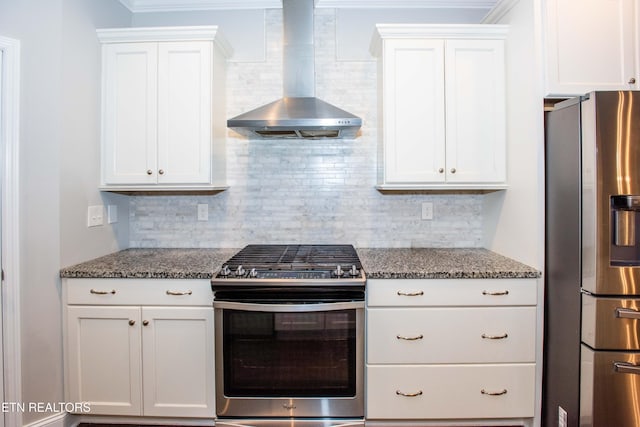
x=10 y=217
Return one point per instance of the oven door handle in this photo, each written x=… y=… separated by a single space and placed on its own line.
x=288 y=308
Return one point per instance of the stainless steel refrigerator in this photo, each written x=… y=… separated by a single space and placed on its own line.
x=592 y=275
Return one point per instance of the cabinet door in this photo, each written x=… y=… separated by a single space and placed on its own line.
x=413 y=104
x=178 y=349
x=589 y=46
x=103 y=358
x=129 y=122
x=475 y=111
x=184 y=112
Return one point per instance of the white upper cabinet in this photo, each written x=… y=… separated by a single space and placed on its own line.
x=163 y=116
x=590 y=45
x=441 y=106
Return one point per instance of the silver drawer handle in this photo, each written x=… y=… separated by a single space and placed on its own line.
x=417 y=393
x=627 y=313
x=410 y=294
x=490 y=293
x=417 y=337
x=494 y=337
x=494 y=393
x=626 y=368
x=93 y=291
x=179 y=292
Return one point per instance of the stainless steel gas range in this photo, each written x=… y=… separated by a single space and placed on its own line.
x=289 y=337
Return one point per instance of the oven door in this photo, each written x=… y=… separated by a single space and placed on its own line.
x=289 y=359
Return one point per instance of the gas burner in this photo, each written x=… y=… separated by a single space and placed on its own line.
x=291 y=265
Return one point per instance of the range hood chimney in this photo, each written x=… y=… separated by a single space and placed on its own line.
x=299 y=114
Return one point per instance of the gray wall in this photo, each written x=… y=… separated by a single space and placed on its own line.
x=58 y=133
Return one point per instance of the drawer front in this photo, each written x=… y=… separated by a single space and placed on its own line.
x=187 y=292
x=450 y=292
x=450 y=391
x=451 y=335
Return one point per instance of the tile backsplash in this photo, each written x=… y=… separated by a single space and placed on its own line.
x=305 y=191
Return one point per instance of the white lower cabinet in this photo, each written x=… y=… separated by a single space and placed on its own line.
x=151 y=360
x=450 y=391
x=455 y=349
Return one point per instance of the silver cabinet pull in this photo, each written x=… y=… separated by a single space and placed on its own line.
x=496 y=293
x=96 y=292
x=132 y=322
x=189 y=292
x=494 y=337
x=410 y=294
x=441 y=170
x=632 y=80
x=417 y=393
x=145 y=322
x=453 y=170
x=161 y=171
x=627 y=313
x=494 y=393
x=417 y=337
x=626 y=368
x=149 y=172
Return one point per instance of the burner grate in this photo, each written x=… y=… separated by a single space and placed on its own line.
x=285 y=257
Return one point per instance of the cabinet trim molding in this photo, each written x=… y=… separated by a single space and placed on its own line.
x=435 y=31
x=158 y=34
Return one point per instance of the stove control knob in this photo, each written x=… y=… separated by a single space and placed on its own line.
x=338 y=271
x=240 y=271
x=354 y=271
x=225 y=271
x=253 y=273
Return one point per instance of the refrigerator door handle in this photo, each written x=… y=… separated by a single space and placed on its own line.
x=626 y=368
x=627 y=313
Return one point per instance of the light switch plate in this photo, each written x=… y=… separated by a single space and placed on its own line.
x=95 y=216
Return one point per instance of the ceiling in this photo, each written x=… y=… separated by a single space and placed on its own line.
x=184 y=5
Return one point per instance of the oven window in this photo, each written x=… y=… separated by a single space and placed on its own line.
x=289 y=354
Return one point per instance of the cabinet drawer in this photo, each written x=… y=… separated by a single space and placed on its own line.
x=458 y=292
x=450 y=391
x=451 y=335
x=185 y=292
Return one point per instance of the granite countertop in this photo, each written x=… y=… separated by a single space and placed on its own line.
x=419 y=263
x=153 y=264
x=434 y=263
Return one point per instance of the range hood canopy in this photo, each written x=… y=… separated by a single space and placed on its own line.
x=299 y=114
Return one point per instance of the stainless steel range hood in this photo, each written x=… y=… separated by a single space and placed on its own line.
x=299 y=114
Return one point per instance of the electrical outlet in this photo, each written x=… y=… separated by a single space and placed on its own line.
x=427 y=210
x=203 y=212
x=95 y=216
x=562 y=417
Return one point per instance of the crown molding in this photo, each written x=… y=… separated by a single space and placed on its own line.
x=405 y=4
x=139 y=6
x=501 y=8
